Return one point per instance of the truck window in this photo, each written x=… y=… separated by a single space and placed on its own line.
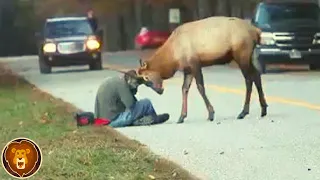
x=68 y=28
x=269 y=13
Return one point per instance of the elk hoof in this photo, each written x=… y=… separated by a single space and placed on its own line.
x=181 y=119
x=242 y=115
x=211 y=116
x=263 y=111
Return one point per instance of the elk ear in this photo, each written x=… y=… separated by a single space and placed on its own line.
x=139 y=71
x=143 y=65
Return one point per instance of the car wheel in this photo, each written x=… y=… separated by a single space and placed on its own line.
x=44 y=67
x=96 y=65
x=314 y=67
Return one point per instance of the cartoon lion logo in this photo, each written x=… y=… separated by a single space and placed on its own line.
x=21 y=158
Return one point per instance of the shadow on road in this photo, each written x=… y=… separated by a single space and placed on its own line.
x=278 y=71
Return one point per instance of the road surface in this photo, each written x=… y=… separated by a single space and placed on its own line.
x=285 y=145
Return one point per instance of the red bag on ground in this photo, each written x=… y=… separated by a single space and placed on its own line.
x=87 y=118
x=101 y=122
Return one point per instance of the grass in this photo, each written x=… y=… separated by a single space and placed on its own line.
x=69 y=152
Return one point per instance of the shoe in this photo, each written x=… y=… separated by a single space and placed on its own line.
x=161 y=118
x=144 y=121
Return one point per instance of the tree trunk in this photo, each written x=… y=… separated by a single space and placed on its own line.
x=130 y=26
x=138 y=14
x=223 y=8
x=203 y=9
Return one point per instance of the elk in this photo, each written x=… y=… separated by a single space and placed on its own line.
x=204 y=43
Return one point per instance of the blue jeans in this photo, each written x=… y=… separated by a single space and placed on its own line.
x=140 y=109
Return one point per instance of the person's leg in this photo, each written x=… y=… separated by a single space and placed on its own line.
x=144 y=121
x=143 y=108
x=124 y=119
x=143 y=113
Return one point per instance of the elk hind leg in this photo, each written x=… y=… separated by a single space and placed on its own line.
x=262 y=99
x=197 y=71
x=187 y=80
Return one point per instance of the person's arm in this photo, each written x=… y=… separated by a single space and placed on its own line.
x=94 y=24
x=126 y=96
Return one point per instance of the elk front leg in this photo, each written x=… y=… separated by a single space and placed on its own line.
x=187 y=80
x=246 y=107
x=200 y=85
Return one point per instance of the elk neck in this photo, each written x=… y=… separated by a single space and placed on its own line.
x=162 y=61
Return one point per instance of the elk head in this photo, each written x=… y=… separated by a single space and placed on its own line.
x=151 y=78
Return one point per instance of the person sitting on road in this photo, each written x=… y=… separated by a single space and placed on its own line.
x=116 y=101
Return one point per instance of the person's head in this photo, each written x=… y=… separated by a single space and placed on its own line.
x=90 y=13
x=132 y=79
x=152 y=78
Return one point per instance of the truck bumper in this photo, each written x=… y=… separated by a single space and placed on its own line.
x=279 y=56
x=81 y=58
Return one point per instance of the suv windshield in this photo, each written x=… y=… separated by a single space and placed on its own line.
x=58 y=29
x=269 y=13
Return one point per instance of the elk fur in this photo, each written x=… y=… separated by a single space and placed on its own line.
x=203 y=43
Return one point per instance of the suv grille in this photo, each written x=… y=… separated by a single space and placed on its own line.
x=71 y=47
x=300 y=41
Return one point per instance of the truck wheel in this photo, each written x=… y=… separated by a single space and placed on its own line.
x=314 y=67
x=44 y=67
x=96 y=65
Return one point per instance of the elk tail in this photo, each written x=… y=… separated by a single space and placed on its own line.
x=255 y=61
x=254 y=57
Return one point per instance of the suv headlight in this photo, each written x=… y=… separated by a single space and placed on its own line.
x=266 y=39
x=92 y=43
x=49 y=48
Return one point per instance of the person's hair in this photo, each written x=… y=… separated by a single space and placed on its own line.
x=132 y=74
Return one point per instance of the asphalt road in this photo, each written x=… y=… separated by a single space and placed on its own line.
x=285 y=145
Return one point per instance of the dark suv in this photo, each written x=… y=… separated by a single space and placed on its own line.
x=290 y=33
x=67 y=41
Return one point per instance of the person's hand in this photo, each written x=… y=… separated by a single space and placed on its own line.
x=134 y=91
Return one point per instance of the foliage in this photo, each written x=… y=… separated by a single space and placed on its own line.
x=18 y=24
